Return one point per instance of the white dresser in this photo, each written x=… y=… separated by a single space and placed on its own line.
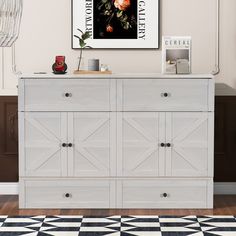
x=116 y=141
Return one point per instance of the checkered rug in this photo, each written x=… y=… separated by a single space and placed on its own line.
x=117 y=225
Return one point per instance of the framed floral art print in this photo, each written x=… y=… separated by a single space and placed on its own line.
x=117 y=23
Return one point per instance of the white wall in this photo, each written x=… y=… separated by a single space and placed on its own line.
x=46 y=32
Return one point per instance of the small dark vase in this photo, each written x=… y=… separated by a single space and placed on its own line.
x=59 y=67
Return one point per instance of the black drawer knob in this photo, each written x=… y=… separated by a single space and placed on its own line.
x=64 y=145
x=165 y=195
x=168 y=145
x=162 y=145
x=67 y=195
x=70 y=145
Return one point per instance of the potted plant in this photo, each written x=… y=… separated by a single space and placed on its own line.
x=82 y=42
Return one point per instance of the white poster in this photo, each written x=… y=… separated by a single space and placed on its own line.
x=117 y=23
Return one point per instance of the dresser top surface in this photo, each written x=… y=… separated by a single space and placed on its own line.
x=117 y=76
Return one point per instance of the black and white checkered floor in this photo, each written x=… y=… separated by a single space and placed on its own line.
x=117 y=225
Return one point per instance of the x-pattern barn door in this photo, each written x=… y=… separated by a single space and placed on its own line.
x=188 y=134
x=43 y=153
x=139 y=136
x=93 y=138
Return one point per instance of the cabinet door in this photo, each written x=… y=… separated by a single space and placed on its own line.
x=139 y=135
x=191 y=138
x=8 y=139
x=41 y=148
x=92 y=135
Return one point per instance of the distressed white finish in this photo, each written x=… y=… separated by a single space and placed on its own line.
x=153 y=95
x=117 y=130
x=93 y=138
x=180 y=193
x=118 y=76
x=188 y=134
x=44 y=134
x=52 y=193
x=225 y=188
x=78 y=95
x=139 y=135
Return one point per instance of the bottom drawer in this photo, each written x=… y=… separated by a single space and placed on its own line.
x=165 y=193
x=67 y=194
x=116 y=193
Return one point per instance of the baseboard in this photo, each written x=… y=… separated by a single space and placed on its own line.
x=8 y=188
x=224 y=188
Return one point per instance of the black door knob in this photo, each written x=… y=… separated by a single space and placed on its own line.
x=168 y=145
x=162 y=145
x=64 y=145
x=68 y=95
x=165 y=94
x=70 y=145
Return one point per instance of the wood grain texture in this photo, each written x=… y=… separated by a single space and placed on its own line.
x=8 y=139
x=88 y=135
x=223 y=205
x=225 y=139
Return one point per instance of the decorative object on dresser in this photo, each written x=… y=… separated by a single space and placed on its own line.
x=225 y=134
x=117 y=141
x=93 y=64
x=104 y=68
x=82 y=43
x=118 y=23
x=176 y=55
x=9 y=139
x=59 y=67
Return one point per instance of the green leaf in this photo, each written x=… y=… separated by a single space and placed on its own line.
x=77 y=37
x=86 y=35
x=80 y=31
x=82 y=43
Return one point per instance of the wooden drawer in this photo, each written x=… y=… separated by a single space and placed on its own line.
x=163 y=95
x=165 y=193
x=67 y=194
x=66 y=95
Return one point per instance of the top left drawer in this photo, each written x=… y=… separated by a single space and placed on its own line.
x=66 y=95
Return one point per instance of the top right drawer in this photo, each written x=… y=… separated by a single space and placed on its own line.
x=165 y=95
